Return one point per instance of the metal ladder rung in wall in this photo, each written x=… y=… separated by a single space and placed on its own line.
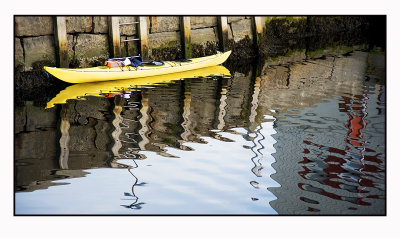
x=130 y=40
x=126 y=24
x=115 y=35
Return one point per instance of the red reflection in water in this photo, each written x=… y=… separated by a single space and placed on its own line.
x=310 y=209
x=380 y=100
x=310 y=188
x=337 y=166
x=354 y=125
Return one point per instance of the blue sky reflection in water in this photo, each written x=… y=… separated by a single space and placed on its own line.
x=301 y=138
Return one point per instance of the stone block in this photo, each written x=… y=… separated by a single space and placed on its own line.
x=315 y=70
x=81 y=138
x=36 y=145
x=164 y=39
x=100 y=25
x=33 y=26
x=72 y=40
x=274 y=78
x=230 y=34
x=235 y=19
x=129 y=48
x=201 y=36
x=103 y=135
x=128 y=30
x=79 y=24
x=18 y=52
x=90 y=45
x=164 y=24
x=203 y=22
x=38 y=118
x=92 y=107
x=241 y=29
x=19 y=119
x=39 y=48
x=293 y=56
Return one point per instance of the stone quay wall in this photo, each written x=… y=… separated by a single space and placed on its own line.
x=88 y=38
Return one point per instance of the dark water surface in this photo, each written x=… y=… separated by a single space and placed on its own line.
x=297 y=137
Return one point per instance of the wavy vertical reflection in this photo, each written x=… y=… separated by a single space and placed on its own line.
x=260 y=134
x=65 y=137
x=257 y=150
x=222 y=110
x=117 y=127
x=144 y=121
x=263 y=148
x=254 y=102
x=186 y=115
x=134 y=200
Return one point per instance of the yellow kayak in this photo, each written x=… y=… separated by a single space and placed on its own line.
x=77 y=91
x=104 y=73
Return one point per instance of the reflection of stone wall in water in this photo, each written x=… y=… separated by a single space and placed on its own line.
x=306 y=85
x=238 y=100
x=166 y=110
x=38 y=136
x=35 y=141
x=90 y=125
x=203 y=105
x=291 y=84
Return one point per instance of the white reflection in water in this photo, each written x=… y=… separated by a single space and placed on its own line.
x=215 y=178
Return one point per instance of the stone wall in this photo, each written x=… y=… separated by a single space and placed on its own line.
x=88 y=38
x=289 y=34
x=34 y=40
x=88 y=42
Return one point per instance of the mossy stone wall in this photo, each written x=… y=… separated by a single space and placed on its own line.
x=88 y=43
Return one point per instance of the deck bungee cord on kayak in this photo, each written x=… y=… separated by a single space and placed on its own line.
x=134 y=61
